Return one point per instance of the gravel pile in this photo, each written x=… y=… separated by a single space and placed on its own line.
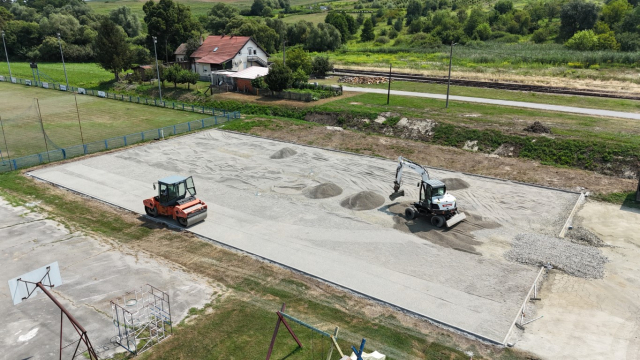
x=363 y=80
x=283 y=153
x=455 y=184
x=538 y=128
x=583 y=236
x=323 y=191
x=364 y=200
x=574 y=259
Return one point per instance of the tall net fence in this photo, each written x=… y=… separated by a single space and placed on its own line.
x=58 y=125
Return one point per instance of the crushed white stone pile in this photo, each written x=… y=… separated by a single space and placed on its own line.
x=574 y=259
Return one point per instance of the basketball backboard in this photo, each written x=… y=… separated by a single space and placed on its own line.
x=24 y=286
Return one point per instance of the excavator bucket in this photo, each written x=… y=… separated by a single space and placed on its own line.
x=396 y=195
x=456 y=219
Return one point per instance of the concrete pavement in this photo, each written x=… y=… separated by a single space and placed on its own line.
x=520 y=104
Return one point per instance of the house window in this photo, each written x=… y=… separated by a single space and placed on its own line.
x=249 y=51
x=255 y=52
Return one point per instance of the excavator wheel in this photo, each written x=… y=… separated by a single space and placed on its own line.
x=153 y=212
x=410 y=213
x=438 y=221
x=183 y=221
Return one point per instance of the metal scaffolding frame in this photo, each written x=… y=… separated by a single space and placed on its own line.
x=142 y=318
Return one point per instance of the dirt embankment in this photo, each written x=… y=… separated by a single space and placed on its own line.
x=447 y=157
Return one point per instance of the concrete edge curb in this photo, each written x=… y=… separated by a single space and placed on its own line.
x=523 y=305
x=571 y=215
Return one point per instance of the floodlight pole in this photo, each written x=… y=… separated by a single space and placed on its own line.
x=7 y=55
x=63 y=66
x=155 y=40
x=449 y=82
x=5 y=144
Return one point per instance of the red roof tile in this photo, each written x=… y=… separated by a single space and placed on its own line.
x=227 y=48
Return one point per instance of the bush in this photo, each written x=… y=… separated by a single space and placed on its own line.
x=539 y=36
x=299 y=76
x=510 y=38
x=382 y=40
x=425 y=40
x=482 y=32
x=628 y=41
x=393 y=34
x=585 y=40
x=503 y=6
x=321 y=65
x=258 y=83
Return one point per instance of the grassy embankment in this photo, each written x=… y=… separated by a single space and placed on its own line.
x=239 y=321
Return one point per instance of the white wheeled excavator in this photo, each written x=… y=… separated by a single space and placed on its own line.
x=434 y=199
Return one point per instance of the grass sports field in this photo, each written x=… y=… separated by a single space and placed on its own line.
x=100 y=118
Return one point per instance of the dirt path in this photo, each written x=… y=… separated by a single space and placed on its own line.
x=449 y=158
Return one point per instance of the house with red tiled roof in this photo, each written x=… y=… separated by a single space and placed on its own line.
x=228 y=52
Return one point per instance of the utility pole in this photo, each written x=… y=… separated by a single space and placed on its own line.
x=7 y=55
x=389 y=90
x=449 y=82
x=155 y=40
x=63 y=66
x=284 y=53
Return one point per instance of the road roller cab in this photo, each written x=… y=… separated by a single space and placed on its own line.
x=176 y=198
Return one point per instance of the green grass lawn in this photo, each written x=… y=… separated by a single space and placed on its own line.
x=502 y=118
x=566 y=100
x=87 y=75
x=100 y=118
x=312 y=18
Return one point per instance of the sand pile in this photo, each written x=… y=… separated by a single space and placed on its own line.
x=283 y=153
x=455 y=183
x=364 y=200
x=323 y=191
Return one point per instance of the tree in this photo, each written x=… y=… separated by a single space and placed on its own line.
x=171 y=23
x=299 y=32
x=631 y=22
x=5 y=16
x=219 y=16
x=577 y=15
x=339 y=22
x=398 y=25
x=414 y=10
x=66 y=25
x=323 y=37
x=264 y=35
x=258 y=7
x=628 y=41
x=473 y=21
x=607 y=41
x=279 y=77
x=172 y=74
x=21 y=37
x=190 y=78
x=321 y=65
x=49 y=50
x=111 y=48
x=298 y=59
x=503 y=6
x=127 y=20
x=367 y=31
x=615 y=11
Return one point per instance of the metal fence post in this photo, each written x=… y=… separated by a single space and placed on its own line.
x=192 y=109
x=215 y=120
x=158 y=133
x=125 y=140
x=174 y=129
x=106 y=145
x=85 y=149
x=15 y=165
x=64 y=154
x=142 y=135
x=155 y=102
x=40 y=157
x=202 y=122
x=189 y=126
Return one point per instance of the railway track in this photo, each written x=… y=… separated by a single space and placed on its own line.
x=483 y=84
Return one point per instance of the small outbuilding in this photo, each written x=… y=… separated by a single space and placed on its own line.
x=243 y=77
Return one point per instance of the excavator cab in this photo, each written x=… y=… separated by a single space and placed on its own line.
x=174 y=188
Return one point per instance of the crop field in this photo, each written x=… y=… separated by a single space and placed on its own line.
x=100 y=118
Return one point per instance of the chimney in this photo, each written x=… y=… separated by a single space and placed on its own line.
x=201 y=40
